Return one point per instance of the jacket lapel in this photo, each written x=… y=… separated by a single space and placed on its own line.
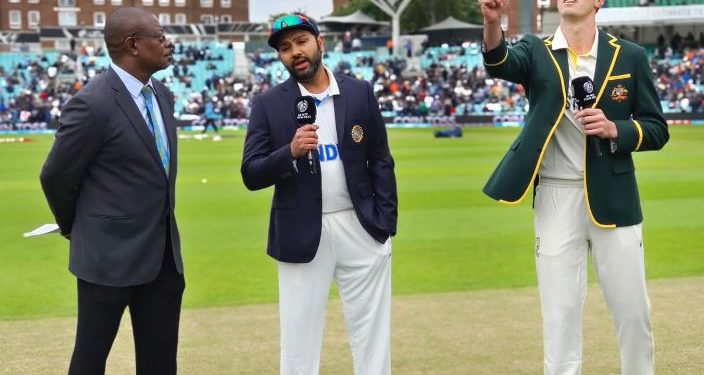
x=605 y=61
x=607 y=55
x=560 y=57
x=290 y=87
x=126 y=103
x=340 y=110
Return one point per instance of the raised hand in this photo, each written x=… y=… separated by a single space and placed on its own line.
x=492 y=10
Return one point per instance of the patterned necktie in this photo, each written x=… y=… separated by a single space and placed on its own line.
x=147 y=93
x=318 y=102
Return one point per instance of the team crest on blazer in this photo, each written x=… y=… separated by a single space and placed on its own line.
x=357 y=133
x=619 y=93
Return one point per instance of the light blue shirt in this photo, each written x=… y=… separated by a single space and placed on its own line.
x=134 y=87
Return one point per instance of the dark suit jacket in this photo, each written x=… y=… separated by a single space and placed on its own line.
x=296 y=210
x=106 y=186
x=624 y=83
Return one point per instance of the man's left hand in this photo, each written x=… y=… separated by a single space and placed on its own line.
x=596 y=123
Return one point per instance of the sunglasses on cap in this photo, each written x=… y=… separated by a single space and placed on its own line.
x=288 y=22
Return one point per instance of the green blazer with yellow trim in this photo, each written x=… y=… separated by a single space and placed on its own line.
x=625 y=92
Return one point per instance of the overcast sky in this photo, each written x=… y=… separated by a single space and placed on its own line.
x=259 y=10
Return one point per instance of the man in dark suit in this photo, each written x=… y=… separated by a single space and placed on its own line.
x=109 y=180
x=577 y=160
x=335 y=224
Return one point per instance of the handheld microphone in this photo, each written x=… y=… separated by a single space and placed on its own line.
x=305 y=114
x=584 y=97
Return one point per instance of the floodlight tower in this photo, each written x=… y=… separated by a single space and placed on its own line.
x=393 y=8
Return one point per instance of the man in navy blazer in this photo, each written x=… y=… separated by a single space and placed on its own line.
x=110 y=182
x=335 y=223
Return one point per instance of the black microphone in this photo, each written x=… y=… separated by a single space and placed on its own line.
x=584 y=97
x=305 y=114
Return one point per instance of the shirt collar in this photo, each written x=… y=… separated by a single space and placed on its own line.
x=133 y=85
x=560 y=42
x=332 y=90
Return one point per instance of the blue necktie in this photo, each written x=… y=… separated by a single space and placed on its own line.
x=318 y=102
x=147 y=93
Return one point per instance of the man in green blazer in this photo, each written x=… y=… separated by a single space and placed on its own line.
x=578 y=163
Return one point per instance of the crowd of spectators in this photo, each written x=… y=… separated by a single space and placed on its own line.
x=188 y=55
x=679 y=73
x=445 y=91
x=230 y=99
x=36 y=90
x=463 y=90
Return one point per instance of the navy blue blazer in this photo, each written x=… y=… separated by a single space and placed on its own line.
x=296 y=208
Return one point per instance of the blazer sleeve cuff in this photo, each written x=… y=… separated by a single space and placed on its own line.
x=630 y=135
x=496 y=56
x=284 y=162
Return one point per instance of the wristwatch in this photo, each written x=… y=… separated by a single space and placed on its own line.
x=484 y=47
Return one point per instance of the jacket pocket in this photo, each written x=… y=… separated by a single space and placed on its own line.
x=619 y=77
x=111 y=217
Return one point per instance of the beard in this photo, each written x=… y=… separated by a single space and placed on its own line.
x=308 y=73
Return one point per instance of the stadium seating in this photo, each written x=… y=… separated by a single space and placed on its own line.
x=452 y=56
x=500 y=98
x=199 y=71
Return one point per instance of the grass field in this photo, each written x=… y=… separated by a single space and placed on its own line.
x=450 y=236
x=488 y=332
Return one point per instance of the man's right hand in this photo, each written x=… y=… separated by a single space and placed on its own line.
x=491 y=10
x=304 y=140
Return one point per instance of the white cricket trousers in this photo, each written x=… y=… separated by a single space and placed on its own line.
x=361 y=267
x=565 y=235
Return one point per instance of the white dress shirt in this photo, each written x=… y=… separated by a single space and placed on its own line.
x=134 y=87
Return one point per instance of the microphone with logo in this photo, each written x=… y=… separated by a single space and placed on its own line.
x=584 y=97
x=305 y=114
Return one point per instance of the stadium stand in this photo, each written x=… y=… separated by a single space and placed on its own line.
x=34 y=87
